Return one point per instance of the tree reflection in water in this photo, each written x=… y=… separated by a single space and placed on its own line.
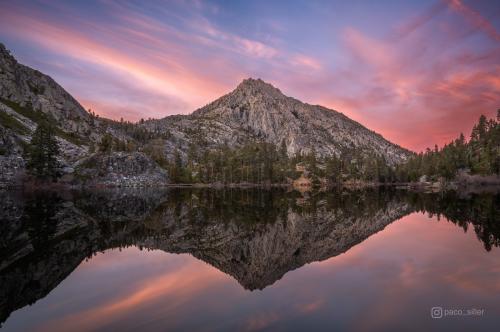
x=256 y=236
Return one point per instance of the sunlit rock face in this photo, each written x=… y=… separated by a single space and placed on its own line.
x=256 y=110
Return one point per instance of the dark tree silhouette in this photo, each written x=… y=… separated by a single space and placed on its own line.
x=43 y=152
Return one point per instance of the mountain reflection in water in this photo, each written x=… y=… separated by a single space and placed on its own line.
x=255 y=236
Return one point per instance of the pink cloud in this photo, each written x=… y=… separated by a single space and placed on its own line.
x=310 y=307
x=474 y=17
x=172 y=74
x=306 y=61
x=255 y=48
x=410 y=91
x=421 y=83
x=261 y=321
x=181 y=285
x=232 y=42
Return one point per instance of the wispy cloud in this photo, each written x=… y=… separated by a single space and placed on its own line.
x=475 y=18
x=419 y=84
x=421 y=79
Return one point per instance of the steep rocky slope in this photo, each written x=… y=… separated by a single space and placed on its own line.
x=24 y=86
x=256 y=110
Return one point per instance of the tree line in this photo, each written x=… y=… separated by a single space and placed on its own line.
x=480 y=155
x=267 y=163
x=257 y=162
x=261 y=162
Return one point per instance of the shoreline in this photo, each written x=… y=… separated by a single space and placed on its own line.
x=428 y=187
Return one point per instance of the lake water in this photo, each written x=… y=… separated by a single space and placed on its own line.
x=210 y=260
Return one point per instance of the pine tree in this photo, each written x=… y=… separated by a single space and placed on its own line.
x=106 y=143
x=177 y=170
x=283 y=150
x=482 y=126
x=43 y=152
x=333 y=170
x=481 y=154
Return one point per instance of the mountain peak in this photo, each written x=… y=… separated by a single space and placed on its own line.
x=252 y=82
x=252 y=86
x=5 y=53
x=258 y=110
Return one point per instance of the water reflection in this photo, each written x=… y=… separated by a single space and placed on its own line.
x=479 y=211
x=254 y=236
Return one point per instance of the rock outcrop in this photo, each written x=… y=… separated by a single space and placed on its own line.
x=24 y=86
x=120 y=169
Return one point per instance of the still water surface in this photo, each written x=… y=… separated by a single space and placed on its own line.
x=209 y=260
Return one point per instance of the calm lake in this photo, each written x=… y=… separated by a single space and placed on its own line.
x=210 y=260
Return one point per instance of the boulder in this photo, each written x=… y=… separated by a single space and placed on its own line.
x=120 y=169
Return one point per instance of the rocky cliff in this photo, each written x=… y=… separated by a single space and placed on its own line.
x=257 y=111
x=27 y=87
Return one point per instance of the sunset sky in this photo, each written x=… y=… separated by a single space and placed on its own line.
x=418 y=72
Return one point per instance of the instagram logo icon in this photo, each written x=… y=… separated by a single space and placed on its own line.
x=436 y=312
